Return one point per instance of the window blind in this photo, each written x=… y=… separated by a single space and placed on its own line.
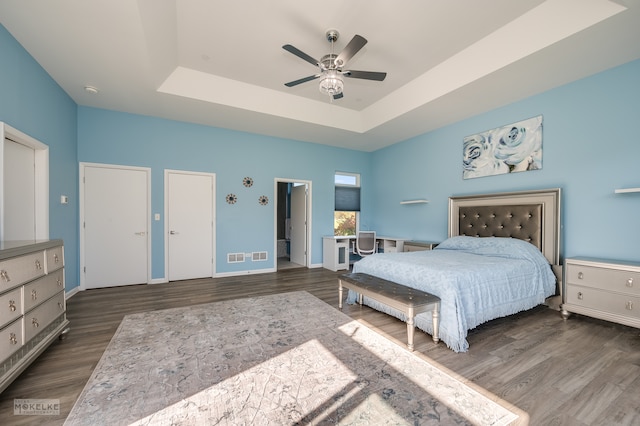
x=347 y=199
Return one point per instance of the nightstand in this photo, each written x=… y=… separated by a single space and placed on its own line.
x=419 y=245
x=604 y=289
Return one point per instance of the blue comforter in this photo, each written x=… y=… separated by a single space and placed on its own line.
x=477 y=279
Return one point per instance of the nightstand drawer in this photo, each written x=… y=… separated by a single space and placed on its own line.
x=604 y=278
x=601 y=300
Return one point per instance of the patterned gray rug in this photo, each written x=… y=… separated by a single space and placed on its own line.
x=272 y=360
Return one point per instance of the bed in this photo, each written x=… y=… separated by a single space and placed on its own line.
x=502 y=256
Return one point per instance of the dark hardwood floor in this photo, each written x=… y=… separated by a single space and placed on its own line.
x=576 y=372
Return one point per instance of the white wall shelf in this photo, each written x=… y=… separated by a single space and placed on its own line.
x=626 y=190
x=414 y=202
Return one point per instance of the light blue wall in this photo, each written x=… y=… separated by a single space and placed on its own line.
x=590 y=146
x=126 y=139
x=31 y=102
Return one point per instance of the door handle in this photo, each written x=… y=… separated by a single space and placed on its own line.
x=173 y=232
x=141 y=233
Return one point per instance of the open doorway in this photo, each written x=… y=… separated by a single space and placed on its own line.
x=293 y=223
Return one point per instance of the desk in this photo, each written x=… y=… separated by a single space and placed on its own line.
x=336 y=249
x=419 y=245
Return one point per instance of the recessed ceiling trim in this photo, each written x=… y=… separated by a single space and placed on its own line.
x=542 y=26
x=206 y=87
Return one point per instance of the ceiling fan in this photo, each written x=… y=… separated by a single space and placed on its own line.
x=331 y=66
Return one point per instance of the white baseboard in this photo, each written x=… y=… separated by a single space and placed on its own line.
x=71 y=292
x=249 y=272
x=75 y=290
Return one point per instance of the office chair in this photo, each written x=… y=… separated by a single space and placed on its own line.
x=366 y=243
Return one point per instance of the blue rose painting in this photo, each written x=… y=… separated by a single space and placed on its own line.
x=513 y=148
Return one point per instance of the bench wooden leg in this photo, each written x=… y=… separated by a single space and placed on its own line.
x=339 y=294
x=436 y=323
x=410 y=329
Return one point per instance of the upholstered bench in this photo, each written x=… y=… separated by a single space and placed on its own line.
x=405 y=299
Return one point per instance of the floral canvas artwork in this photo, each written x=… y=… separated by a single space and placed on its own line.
x=508 y=149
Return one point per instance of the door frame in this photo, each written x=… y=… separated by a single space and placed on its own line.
x=83 y=165
x=167 y=172
x=41 y=178
x=308 y=218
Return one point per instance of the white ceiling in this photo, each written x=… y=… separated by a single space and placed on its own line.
x=221 y=63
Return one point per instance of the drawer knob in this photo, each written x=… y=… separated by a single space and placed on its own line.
x=34 y=322
x=580 y=295
x=60 y=305
x=5 y=276
x=580 y=275
x=55 y=258
x=13 y=339
x=629 y=306
x=59 y=281
x=630 y=282
x=38 y=264
x=12 y=305
x=34 y=294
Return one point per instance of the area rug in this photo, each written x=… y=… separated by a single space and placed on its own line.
x=282 y=359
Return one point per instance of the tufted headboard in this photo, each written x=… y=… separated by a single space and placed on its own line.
x=523 y=222
x=532 y=216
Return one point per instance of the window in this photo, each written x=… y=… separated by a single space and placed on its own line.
x=347 y=203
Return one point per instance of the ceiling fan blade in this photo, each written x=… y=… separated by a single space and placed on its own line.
x=338 y=96
x=367 y=75
x=302 y=80
x=354 y=46
x=300 y=54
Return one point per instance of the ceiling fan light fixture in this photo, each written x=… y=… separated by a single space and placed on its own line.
x=331 y=83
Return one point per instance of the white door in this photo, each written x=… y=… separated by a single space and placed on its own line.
x=115 y=216
x=19 y=192
x=190 y=223
x=298 y=235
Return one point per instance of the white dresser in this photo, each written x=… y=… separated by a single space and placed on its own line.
x=32 y=303
x=605 y=289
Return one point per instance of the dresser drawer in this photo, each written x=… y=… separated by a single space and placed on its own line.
x=20 y=269
x=10 y=339
x=39 y=290
x=10 y=306
x=604 y=278
x=43 y=315
x=55 y=258
x=601 y=300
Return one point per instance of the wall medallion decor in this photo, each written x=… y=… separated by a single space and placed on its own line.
x=263 y=200
x=231 y=198
x=248 y=182
x=508 y=149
